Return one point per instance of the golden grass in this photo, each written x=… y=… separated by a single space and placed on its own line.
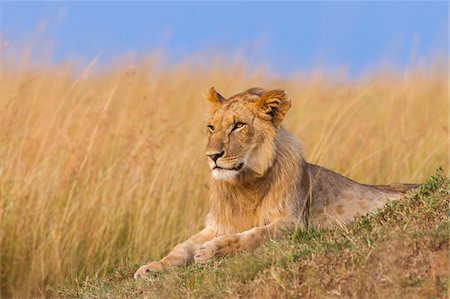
x=100 y=168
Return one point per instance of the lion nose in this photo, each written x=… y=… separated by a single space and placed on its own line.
x=215 y=156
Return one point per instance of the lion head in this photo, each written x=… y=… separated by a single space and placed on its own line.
x=242 y=130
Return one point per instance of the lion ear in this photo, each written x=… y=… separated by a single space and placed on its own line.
x=273 y=105
x=214 y=97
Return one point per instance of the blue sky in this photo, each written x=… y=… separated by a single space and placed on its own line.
x=286 y=36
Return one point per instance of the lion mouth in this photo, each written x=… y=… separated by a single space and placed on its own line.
x=237 y=168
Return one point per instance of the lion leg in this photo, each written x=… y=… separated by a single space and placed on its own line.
x=245 y=241
x=181 y=255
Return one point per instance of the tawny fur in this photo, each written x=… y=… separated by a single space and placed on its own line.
x=261 y=187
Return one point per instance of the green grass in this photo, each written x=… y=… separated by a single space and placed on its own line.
x=400 y=251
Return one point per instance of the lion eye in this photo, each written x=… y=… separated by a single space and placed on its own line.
x=238 y=125
x=211 y=128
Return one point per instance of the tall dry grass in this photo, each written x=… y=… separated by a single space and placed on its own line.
x=104 y=167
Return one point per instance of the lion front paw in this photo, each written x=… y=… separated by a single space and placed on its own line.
x=145 y=270
x=205 y=252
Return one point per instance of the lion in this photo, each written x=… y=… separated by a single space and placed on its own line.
x=261 y=186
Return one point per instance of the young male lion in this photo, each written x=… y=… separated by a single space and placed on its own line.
x=261 y=186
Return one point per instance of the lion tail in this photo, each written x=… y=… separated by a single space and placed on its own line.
x=396 y=187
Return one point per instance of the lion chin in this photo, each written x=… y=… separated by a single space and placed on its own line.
x=224 y=174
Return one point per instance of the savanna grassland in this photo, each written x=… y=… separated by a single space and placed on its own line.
x=103 y=168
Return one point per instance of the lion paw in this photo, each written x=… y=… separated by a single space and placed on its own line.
x=205 y=252
x=145 y=270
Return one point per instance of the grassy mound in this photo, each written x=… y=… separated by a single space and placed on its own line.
x=398 y=251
